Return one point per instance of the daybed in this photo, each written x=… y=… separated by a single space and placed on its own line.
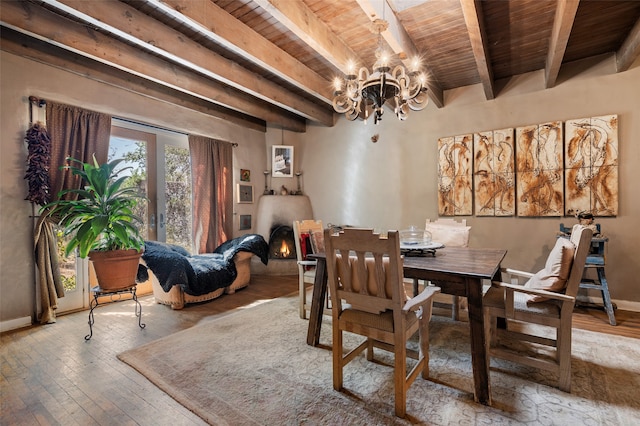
x=178 y=277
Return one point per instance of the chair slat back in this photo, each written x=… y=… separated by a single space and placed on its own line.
x=581 y=237
x=365 y=270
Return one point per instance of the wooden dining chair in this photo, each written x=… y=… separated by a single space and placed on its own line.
x=365 y=278
x=308 y=236
x=542 y=301
x=451 y=233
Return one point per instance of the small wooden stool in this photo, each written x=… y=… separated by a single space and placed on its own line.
x=596 y=260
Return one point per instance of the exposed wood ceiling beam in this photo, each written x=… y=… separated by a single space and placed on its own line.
x=39 y=51
x=630 y=49
x=45 y=25
x=139 y=29
x=300 y=20
x=472 y=11
x=562 y=23
x=221 y=27
x=401 y=43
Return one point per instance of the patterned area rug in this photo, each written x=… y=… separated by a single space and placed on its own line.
x=254 y=367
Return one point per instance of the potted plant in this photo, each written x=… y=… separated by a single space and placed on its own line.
x=101 y=222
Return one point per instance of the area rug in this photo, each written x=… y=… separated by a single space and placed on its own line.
x=254 y=367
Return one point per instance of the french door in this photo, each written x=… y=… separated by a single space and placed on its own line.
x=157 y=162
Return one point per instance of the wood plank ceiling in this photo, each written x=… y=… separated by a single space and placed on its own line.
x=259 y=62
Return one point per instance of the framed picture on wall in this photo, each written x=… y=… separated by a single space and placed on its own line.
x=245 y=222
x=282 y=161
x=245 y=175
x=245 y=193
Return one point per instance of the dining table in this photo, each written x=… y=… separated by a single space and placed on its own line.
x=458 y=271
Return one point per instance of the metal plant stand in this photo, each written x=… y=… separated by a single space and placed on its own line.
x=98 y=292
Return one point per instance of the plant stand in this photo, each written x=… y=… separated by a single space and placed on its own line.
x=98 y=292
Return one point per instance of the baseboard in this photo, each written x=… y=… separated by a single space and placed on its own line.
x=623 y=305
x=14 y=324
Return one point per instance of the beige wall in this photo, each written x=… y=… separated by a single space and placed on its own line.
x=350 y=180
x=391 y=184
x=20 y=78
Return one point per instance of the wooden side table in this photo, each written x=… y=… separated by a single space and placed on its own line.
x=98 y=292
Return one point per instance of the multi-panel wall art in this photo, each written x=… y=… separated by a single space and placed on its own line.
x=534 y=172
x=539 y=170
x=455 y=178
x=591 y=160
x=494 y=173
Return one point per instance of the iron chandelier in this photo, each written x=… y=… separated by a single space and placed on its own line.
x=364 y=93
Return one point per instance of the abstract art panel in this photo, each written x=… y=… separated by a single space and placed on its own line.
x=591 y=161
x=539 y=170
x=494 y=173
x=455 y=176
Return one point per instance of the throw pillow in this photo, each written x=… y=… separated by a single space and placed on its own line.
x=556 y=270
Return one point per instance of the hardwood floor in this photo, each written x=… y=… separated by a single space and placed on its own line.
x=51 y=376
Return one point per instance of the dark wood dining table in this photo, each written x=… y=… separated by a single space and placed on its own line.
x=457 y=271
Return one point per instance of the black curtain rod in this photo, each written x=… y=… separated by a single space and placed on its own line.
x=34 y=100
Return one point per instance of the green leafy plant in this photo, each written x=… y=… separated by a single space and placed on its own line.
x=102 y=218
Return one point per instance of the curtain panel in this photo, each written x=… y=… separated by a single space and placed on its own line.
x=77 y=133
x=211 y=171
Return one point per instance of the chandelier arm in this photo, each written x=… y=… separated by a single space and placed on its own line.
x=419 y=102
x=342 y=103
x=414 y=88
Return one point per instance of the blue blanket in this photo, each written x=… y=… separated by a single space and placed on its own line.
x=201 y=273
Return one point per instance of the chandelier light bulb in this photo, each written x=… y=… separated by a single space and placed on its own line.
x=337 y=84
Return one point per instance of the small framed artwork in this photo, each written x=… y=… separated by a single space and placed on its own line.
x=245 y=222
x=245 y=175
x=245 y=193
x=282 y=161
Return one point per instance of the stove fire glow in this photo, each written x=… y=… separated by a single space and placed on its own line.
x=284 y=249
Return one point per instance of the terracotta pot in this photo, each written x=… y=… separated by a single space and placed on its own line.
x=115 y=269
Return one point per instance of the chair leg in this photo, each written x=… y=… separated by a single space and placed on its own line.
x=337 y=358
x=400 y=379
x=424 y=341
x=455 y=308
x=302 y=298
x=564 y=355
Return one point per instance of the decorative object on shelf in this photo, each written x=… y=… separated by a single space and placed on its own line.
x=245 y=222
x=267 y=191
x=363 y=94
x=245 y=175
x=245 y=194
x=299 y=191
x=284 y=190
x=282 y=161
x=101 y=222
